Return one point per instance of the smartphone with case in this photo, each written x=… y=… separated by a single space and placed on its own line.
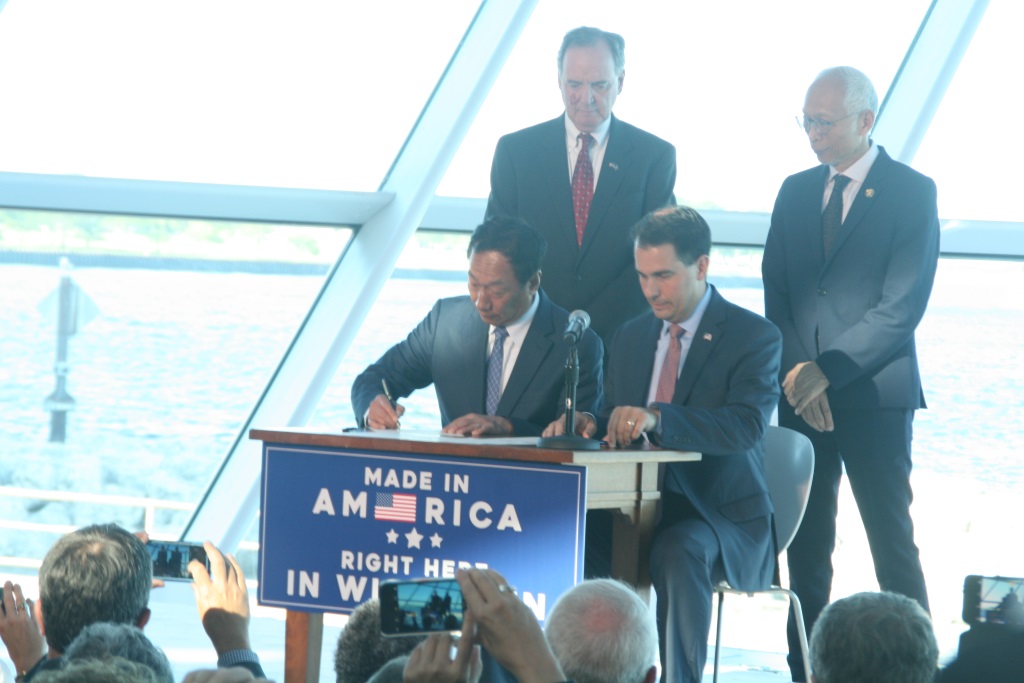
x=171 y=558
x=993 y=600
x=420 y=606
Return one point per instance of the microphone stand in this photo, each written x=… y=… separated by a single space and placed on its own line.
x=570 y=440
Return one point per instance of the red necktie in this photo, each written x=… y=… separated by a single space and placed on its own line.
x=582 y=186
x=670 y=368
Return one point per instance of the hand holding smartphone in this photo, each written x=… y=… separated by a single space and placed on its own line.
x=171 y=558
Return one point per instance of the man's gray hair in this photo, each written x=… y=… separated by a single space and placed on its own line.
x=874 y=638
x=602 y=632
x=109 y=670
x=97 y=573
x=105 y=640
x=860 y=93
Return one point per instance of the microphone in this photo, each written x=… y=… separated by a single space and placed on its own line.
x=579 y=321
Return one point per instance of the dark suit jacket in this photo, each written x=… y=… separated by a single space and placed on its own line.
x=722 y=404
x=449 y=349
x=855 y=312
x=530 y=180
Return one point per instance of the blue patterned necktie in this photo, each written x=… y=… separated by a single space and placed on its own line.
x=832 y=217
x=495 y=363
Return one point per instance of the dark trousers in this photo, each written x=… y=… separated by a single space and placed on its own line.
x=686 y=563
x=874 y=447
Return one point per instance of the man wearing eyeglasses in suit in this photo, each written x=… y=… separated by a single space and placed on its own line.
x=848 y=268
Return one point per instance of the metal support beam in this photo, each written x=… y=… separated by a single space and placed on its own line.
x=924 y=76
x=188 y=200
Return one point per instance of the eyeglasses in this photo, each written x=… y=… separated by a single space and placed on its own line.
x=820 y=125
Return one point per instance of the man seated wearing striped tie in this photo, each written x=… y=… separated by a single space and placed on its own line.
x=696 y=373
x=496 y=358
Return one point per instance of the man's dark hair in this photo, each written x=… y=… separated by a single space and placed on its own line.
x=585 y=36
x=362 y=650
x=98 y=573
x=874 y=638
x=523 y=246
x=680 y=226
x=105 y=640
x=392 y=672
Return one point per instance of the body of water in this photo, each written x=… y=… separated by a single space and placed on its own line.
x=167 y=371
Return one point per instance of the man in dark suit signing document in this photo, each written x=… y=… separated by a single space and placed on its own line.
x=496 y=358
x=848 y=268
x=583 y=179
x=694 y=373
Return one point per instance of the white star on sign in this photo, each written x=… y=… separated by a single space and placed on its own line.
x=435 y=541
x=414 y=538
x=392 y=536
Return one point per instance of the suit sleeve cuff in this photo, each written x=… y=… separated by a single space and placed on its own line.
x=237 y=658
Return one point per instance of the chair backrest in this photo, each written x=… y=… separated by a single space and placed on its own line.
x=789 y=468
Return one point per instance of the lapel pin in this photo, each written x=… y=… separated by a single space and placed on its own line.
x=612 y=165
x=869 y=193
x=707 y=336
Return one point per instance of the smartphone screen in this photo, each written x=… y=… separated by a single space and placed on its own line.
x=993 y=600
x=171 y=558
x=421 y=606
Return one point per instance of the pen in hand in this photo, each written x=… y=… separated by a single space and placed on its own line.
x=391 y=400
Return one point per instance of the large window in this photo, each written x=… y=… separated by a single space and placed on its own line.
x=188 y=319
x=310 y=93
x=183 y=323
x=433 y=265
x=970 y=150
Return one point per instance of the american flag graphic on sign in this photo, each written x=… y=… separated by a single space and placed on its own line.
x=395 y=507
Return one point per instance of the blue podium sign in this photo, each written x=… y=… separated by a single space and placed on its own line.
x=335 y=523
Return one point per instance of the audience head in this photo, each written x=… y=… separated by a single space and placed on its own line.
x=105 y=640
x=591 y=70
x=392 y=672
x=993 y=653
x=602 y=632
x=874 y=638
x=98 y=573
x=671 y=253
x=504 y=268
x=361 y=650
x=109 y=670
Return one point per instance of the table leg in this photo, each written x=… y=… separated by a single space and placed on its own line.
x=303 y=643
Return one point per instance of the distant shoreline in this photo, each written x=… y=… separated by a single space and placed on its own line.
x=202 y=265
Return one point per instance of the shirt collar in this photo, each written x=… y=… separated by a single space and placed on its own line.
x=693 y=322
x=858 y=171
x=518 y=328
x=600 y=134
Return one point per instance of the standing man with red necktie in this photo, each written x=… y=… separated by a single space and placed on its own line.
x=582 y=180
